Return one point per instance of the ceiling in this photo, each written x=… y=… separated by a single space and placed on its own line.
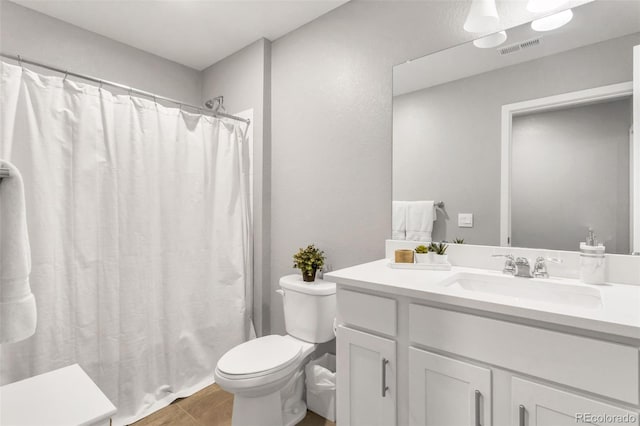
x=592 y=23
x=195 y=33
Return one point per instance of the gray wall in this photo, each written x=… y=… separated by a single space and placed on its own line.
x=570 y=171
x=446 y=139
x=244 y=79
x=36 y=36
x=331 y=128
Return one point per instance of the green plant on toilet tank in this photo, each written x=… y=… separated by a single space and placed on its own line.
x=309 y=260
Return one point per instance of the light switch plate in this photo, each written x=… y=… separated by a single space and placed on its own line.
x=465 y=220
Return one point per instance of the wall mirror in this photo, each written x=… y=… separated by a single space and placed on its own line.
x=527 y=142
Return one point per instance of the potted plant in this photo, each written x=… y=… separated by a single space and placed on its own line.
x=422 y=254
x=458 y=241
x=440 y=250
x=309 y=260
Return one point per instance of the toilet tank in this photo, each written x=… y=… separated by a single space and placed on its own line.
x=309 y=308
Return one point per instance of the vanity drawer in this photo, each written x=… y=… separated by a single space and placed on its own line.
x=362 y=310
x=604 y=368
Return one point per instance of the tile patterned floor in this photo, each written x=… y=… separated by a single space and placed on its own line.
x=210 y=407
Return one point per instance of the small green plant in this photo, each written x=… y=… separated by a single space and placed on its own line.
x=458 y=241
x=422 y=249
x=309 y=260
x=438 y=248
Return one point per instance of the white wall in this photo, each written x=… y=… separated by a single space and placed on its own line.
x=331 y=125
x=45 y=39
x=244 y=79
x=447 y=137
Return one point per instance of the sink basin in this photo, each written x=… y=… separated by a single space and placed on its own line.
x=535 y=290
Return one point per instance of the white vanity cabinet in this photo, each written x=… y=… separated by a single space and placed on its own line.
x=451 y=366
x=367 y=391
x=447 y=392
x=538 y=405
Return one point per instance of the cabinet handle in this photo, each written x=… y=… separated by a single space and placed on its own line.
x=521 y=412
x=385 y=388
x=477 y=398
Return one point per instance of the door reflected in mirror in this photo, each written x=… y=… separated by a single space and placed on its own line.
x=529 y=143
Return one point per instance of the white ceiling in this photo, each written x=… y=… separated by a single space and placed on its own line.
x=592 y=22
x=195 y=33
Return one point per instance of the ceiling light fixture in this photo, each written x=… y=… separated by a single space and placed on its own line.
x=482 y=17
x=490 y=41
x=541 y=6
x=552 y=22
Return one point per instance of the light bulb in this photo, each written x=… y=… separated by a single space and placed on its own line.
x=552 y=22
x=490 y=41
x=482 y=17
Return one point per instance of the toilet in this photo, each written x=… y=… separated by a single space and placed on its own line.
x=266 y=375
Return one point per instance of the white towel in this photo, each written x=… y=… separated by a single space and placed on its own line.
x=420 y=217
x=399 y=220
x=17 y=305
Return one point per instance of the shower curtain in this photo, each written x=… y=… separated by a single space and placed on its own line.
x=140 y=232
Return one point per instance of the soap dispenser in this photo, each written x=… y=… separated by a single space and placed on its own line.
x=592 y=260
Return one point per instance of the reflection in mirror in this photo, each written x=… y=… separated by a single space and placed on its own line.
x=526 y=144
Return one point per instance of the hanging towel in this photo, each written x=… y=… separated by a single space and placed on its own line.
x=17 y=304
x=399 y=220
x=420 y=217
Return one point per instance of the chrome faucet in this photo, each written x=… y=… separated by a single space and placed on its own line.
x=520 y=266
x=540 y=267
x=523 y=268
x=509 y=263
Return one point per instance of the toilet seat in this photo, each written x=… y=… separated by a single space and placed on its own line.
x=259 y=357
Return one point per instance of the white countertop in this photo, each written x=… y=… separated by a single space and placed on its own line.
x=618 y=314
x=64 y=397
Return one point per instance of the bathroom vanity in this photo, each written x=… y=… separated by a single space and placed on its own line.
x=475 y=347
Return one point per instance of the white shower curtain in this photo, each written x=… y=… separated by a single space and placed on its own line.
x=140 y=232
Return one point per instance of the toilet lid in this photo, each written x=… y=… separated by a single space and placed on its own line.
x=268 y=353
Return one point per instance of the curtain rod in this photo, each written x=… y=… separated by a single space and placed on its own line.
x=129 y=89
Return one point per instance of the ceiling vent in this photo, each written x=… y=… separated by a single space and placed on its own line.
x=516 y=47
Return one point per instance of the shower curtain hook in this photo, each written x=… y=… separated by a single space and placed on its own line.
x=100 y=87
x=130 y=90
x=20 y=61
x=66 y=74
x=155 y=100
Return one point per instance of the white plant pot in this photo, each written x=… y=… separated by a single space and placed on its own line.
x=422 y=258
x=440 y=259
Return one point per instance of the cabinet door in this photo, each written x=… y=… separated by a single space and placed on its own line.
x=447 y=392
x=533 y=404
x=366 y=379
